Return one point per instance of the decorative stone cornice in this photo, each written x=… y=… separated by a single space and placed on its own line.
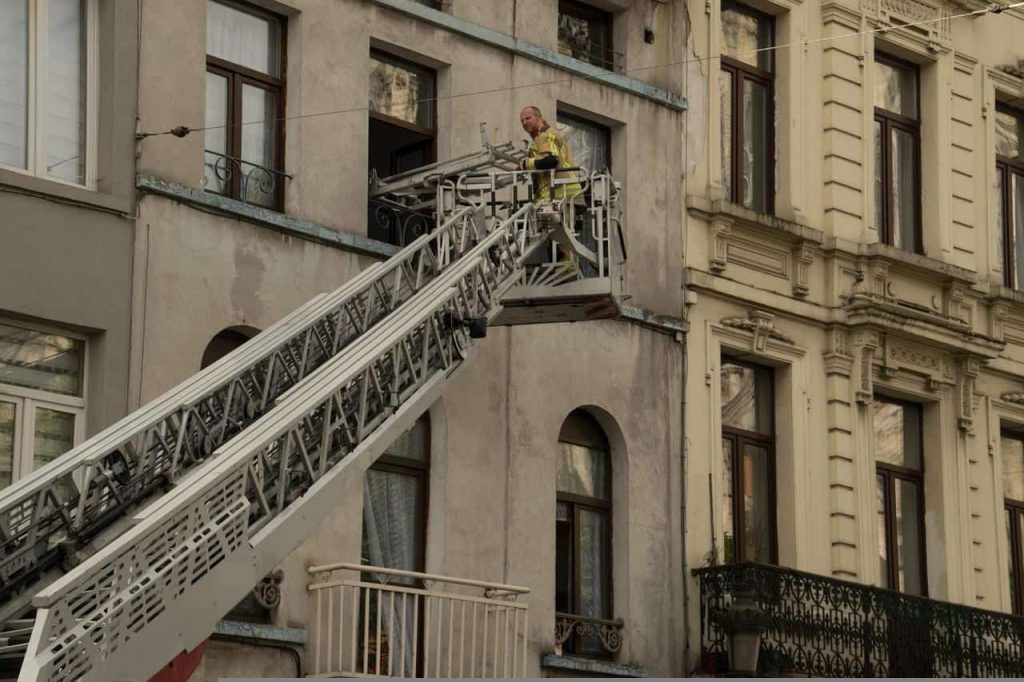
x=1015 y=397
x=761 y=325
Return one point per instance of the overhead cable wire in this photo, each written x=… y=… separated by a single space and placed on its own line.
x=182 y=131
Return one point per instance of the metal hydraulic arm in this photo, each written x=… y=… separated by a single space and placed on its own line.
x=161 y=586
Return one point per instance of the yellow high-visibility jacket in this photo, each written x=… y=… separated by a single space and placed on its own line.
x=549 y=142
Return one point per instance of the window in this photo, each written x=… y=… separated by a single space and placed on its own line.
x=589 y=142
x=42 y=402
x=897 y=154
x=1012 y=449
x=747 y=92
x=244 y=103
x=899 y=473
x=48 y=88
x=585 y=32
x=748 y=452
x=583 y=527
x=1010 y=181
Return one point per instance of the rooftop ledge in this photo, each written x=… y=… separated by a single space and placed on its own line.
x=537 y=53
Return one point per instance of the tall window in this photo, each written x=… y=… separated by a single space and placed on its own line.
x=585 y=32
x=589 y=142
x=1012 y=449
x=899 y=473
x=583 y=526
x=748 y=451
x=48 y=88
x=42 y=401
x=244 y=103
x=747 y=91
x=1010 y=179
x=897 y=153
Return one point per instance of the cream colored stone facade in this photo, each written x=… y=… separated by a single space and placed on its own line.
x=840 y=317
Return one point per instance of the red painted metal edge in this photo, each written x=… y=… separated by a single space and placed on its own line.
x=183 y=665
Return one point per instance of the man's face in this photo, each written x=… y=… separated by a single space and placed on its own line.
x=530 y=120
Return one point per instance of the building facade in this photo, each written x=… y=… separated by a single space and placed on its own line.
x=853 y=402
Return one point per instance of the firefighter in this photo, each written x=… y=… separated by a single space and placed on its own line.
x=548 y=151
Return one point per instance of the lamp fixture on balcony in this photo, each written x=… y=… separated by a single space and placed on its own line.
x=744 y=623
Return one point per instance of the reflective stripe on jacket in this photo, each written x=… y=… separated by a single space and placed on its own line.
x=549 y=142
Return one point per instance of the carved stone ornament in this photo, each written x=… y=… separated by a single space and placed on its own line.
x=607 y=632
x=803 y=258
x=865 y=344
x=268 y=591
x=762 y=325
x=720 y=231
x=1015 y=397
x=968 y=369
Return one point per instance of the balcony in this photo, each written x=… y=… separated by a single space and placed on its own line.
x=824 y=627
x=380 y=622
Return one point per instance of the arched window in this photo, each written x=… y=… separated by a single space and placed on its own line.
x=583 y=527
x=224 y=342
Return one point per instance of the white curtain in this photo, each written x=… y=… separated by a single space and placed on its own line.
x=14 y=83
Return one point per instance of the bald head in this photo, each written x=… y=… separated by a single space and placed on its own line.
x=531 y=118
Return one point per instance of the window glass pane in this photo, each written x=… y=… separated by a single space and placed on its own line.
x=414 y=443
x=883 y=548
x=402 y=90
x=583 y=471
x=1017 y=215
x=756 y=170
x=39 y=360
x=584 y=35
x=1008 y=127
x=218 y=170
x=564 y=573
x=757 y=510
x=259 y=110
x=898 y=434
x=745 y=34
x=587 y=141
x=243 y=38
x=1012 y=557
x=729 y=541
x=593 y=569
x=392 y=517
x=903 y=200
x=896 y=88
x=8 y=423
x=1018 y=558
x=54 y=435
x=908 y=536
x=727 y=104
x=14 y=83
x=879 y=181
x=65 y=90
x=746 y=398
x=1012 y=450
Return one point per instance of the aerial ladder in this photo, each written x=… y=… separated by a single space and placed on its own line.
x=127 y=550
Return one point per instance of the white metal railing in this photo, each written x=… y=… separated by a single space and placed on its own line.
x=382 y=622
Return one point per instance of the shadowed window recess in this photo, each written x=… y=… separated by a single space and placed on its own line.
x=585 y=32
x=1012 y=451
x=1009 y=128
x=897 y=154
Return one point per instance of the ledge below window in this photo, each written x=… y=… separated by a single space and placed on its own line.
x=258 y=632
x=591 y=666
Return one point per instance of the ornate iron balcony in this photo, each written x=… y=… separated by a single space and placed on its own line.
x=391 y=222
x=833 y=628
x=243 y=180
x=587 y=636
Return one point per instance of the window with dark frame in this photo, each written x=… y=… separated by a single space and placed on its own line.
x=748 y=471
x=748 y=107
x=899 y=477
x=1009 y=126
x=585 y=32
x=898 y=153
x=1012 y=451
x=589 y=142
x=583 y=532
x=245 y=66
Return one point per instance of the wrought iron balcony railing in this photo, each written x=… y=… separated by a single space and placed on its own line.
x=833 y=628
x=243 y=180
x=587 y=636
x=393 y=223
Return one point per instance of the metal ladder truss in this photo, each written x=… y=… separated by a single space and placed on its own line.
x=161 y=586
x=57 y=509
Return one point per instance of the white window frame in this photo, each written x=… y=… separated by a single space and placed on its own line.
x=27 y=400
x=36 y=132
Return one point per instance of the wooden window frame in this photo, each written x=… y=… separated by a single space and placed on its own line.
x=580 y=122
x=576 y=504
x=1006 y=168
x=741 y=71
x=889 y=121
x=384 y=56
x=1014 y=510
x=891 y=473
x=589 y=13
x=739 y=437
x=238 y=76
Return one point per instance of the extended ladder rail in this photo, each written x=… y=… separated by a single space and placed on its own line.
x=161 y=586
x=132 y=459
